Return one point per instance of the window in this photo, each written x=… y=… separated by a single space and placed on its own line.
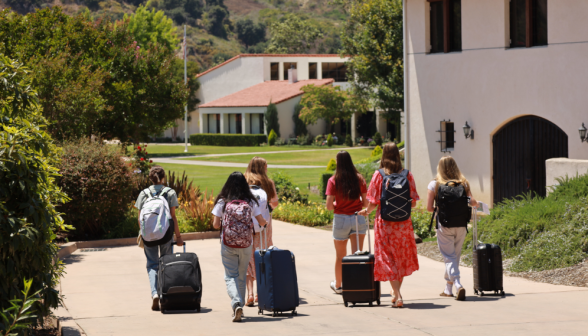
x=275 y=71
x=447 y=133
x=528 y=23
x=312 y=71
x=445 y=24
x=288 y=65
x=213 y=123
x=256 y=123
x=337 y=71
x=235 y=123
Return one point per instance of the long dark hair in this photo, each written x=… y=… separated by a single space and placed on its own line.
x=391 y=159
x=347 y=178
x=236 y=188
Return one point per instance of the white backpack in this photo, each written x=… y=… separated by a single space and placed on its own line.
x=261 y=197
x=155 y=216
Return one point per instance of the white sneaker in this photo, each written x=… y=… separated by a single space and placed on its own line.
x=335 y=289
x=237 y=315
x=155 y=303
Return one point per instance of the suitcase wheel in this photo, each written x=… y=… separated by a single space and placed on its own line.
x=502 y=293
x=481 y=293
x=371 y=304
x=294 y=313
x=259 y=312
x=274 y=314
x=475 y=291
x=346 y=304
x=198 y=309
x=378 y=302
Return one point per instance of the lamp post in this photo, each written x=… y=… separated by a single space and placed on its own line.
x=468 y=131
x=582 y=131
x=185 y=106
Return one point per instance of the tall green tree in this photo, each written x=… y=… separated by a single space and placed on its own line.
x=329 y=103
x=249 y=32
x=373 y=36
x=133 y=92
x=28 y=192
x=215 y=21
x=299 y=125
x=181 y=11
x=271 y=119
x=292 y=35
x=152 y=26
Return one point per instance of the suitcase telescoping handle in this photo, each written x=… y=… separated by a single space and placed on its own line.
x=367 y=220
x=475 y=233
x=173 y=243
x=263 y=237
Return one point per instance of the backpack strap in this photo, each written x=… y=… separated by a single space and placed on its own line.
x=254 y=187
x=432 y=218
x=382 y=172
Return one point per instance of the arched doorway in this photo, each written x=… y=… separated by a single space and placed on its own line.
x=520 y=149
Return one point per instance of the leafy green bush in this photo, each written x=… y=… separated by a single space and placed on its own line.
x=420 y=223
x=305 y=139
x=348 y=141
x=330 y=140
x=312 y=214
x=372 y=143
x=367 y=169
x=377 y=152
x=271 y=119
x=19 y=316
x=332 y=165
x=400 y=145
x=378 y=139
x=324 y=181
x=99 y=183
x=271 y=139
x=286 y=189
x=28 y=193
x=299 y=125
x=227 y=139
x=126 y=227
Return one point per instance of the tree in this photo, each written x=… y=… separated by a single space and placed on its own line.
x=151 y=26
x=292 y=35
x=28 y=193
x=215 y=17
x=299 y=125
x=181 y=11
x=329 y=103
x=271 y=119
x=250 y=33
x=373 y=35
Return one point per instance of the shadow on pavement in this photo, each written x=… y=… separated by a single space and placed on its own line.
x=424 y=305
x=202 y=311
x=74 y=258
x=303 y=301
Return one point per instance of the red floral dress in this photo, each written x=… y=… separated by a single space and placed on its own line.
x=395 y=248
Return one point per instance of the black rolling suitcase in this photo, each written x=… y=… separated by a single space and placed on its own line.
x=487 y=260
x=179 y=282
x=359 y=285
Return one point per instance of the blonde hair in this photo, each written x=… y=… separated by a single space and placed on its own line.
x=447 y=171
x=391 y=159
x=256 y=175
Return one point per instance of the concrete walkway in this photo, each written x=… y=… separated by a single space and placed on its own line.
x=107 y=293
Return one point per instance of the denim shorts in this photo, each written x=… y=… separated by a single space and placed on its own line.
x=344 y=226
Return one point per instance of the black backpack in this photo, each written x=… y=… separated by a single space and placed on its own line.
x=452 y=205
x=395 y=201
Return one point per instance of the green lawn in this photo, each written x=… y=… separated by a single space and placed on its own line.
x=174 y=150
x=315 y=158
x=213 y=178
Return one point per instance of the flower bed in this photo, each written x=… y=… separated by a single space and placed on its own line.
x=312 y=214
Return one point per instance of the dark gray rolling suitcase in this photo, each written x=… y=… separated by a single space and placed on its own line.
x=359 y=285
x=179 y=282
x=487 y=260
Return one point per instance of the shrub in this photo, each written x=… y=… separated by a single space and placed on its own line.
x=378 y=139
x=318 y=140
x=372 y=143
x=227 y=139
x=305 y=139
x=367 y=170
x=324 y=181
x=28 y=194
x=99 y=183
x=377 y=152
x=195 y=212
x=421 y=219
x=400 y=145
x=330 y=140
x=126 y=227
x=271 y=118
x=348 y=141
x=271 y=139
x=332 y=165
x=312 y=214
x=299 y=125
x=286 y=189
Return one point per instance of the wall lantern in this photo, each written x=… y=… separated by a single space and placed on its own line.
x=582 y=131
x=469 y=132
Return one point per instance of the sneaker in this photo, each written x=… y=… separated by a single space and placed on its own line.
x=335 y=289
x=237 y=315
x=155 y=303
x=461 y=294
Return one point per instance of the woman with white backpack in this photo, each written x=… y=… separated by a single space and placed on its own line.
x=234 y=209
x=158 y=223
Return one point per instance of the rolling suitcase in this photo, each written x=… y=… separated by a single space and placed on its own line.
x=179 y=282
x=359 y=285
x=277 y=284
x=487 y=260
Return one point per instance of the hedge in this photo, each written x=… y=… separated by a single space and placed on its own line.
x=228 y=139
x=324 y=181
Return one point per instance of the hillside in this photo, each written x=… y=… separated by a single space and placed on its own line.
x=213 y=26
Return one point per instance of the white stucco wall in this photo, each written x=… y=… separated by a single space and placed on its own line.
x=488 y=85
x=563 y=167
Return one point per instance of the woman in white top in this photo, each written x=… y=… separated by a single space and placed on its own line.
x=449 y=239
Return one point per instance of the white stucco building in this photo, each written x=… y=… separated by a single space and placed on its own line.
x=514 y=70
x=235 y=94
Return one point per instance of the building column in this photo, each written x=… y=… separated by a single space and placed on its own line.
x=224 y=123
x=381 y=124
x=244 y=123
x=354 y=126
x=201 y=122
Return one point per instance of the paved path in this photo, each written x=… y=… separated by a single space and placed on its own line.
x=107 y=293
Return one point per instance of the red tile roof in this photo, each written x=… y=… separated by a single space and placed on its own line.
x=265 y=55
x=261 y=94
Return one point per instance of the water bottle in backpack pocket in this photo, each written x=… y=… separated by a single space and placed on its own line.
x=395 y=201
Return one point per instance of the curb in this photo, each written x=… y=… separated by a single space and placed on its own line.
x=67 y=249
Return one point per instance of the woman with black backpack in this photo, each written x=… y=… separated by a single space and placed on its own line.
x=451 y=194
x=395 y=248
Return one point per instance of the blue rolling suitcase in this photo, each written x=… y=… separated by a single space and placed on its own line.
x=277 y=284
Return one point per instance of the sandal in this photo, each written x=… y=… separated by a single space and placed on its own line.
x=398 y=304
x=446 y=295
x=250 y=301
x=256 y=298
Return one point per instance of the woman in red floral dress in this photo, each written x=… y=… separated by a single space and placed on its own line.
x=395 y=248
